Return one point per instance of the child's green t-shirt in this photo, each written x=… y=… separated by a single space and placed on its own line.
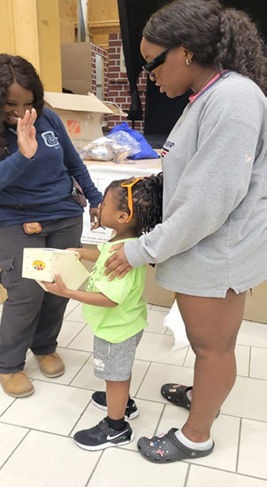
x=119 y=323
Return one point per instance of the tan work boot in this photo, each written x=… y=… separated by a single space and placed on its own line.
x=17 y=384
x=51 y=365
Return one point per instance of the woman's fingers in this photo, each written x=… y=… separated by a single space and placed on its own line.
x=94 y=217
x=119 y=272
x=117 y=265
x=28 y=120
x=115 y=259
x=27 y=134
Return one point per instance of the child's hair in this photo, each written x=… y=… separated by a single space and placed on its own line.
x=223 y=37
x=16 y=69
x=147 y=201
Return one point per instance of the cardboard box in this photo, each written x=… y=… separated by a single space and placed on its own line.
x=256 y=304
x=81 y=115
x=43 y=264
x=76 y=62
x=116 y=110
x=153 y=293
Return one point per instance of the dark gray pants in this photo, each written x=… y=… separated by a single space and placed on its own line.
x=31 y=317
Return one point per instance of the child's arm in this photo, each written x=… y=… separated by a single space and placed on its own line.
x=96 y=299
x=87 y=254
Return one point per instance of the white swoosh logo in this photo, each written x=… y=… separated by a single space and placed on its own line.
x=116 y=436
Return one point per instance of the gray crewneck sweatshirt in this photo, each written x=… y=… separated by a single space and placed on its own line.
x=214 y=231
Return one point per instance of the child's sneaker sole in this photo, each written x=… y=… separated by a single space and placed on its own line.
x=106 y=445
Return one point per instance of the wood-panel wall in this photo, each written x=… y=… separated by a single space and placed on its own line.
x=68 y=15
x=102 y=19
x=30 y=28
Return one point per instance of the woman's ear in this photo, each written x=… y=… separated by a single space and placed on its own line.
x=188 y=54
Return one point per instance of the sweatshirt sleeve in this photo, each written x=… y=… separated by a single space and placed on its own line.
x=75 y=165
x=215 y=180
x=12 y=167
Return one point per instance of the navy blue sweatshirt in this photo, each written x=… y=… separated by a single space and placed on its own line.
x=45 y=179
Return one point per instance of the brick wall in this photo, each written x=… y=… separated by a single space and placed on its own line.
x=104 y=54
x=118 y=85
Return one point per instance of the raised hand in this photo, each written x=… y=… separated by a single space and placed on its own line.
x=27 y=134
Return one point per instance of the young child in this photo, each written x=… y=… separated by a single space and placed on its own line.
x=115 y=310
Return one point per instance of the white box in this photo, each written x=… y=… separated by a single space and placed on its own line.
x=43 y=264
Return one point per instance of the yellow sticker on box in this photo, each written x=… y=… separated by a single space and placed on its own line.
x=38 y=265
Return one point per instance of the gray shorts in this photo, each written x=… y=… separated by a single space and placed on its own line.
x=114 y=361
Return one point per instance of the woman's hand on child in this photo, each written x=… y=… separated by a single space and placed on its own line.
x=57 y=287
x=27 y=134
x=117 y=265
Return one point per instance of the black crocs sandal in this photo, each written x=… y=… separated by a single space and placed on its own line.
x=167 y=448
x=177 y=394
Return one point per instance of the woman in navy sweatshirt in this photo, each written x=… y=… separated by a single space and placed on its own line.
x=37 y=160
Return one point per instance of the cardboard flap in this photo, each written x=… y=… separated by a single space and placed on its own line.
x=76 y=103
x=116 y=110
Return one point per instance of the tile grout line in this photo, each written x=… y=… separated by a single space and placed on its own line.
x=249 y=361
x=142 y=381
x=238 y=445
x=186 y=480
x=74 y=336
x=15 y=449
x=94 y=469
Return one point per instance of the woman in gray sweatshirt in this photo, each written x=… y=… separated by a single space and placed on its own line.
x=212 y=244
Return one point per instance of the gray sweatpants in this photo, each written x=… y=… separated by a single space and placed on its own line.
x=31 y=317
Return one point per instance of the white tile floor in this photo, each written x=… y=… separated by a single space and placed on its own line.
x=37 y=449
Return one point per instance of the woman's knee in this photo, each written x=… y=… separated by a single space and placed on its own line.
x=216 y=348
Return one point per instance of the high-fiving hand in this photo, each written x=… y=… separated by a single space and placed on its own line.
x=26 y=132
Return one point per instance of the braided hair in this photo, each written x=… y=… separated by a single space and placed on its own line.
x=16 y=69
x=147 y=201
x=221 y=37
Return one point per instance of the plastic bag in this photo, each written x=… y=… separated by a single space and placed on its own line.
x=98 y=150
x=174 y=321
x=116 y=148
x=145 y=151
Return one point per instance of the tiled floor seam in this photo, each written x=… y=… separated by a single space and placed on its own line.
x=94 y=469
x=142 y=381
x=187 y=475
x=17 y=446
x=238 y=444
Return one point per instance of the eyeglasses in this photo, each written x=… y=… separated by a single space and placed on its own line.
x=155 y=63
x=129 y=184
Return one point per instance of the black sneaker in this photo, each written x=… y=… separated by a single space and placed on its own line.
x=99 y=399
x=103 y=436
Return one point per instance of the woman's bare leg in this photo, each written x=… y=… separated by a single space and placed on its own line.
x=212 y=326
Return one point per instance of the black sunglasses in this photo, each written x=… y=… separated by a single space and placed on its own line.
x=155 y=63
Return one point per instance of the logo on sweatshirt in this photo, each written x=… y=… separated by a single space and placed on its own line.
x=50 y=139
x=166 y=148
